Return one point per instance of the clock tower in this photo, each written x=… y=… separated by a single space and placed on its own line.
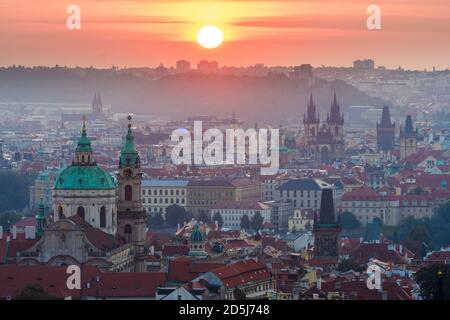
x=130 y=213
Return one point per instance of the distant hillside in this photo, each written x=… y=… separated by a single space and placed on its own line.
x=273 y=98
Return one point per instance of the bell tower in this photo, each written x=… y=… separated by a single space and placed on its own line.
x=130 y=213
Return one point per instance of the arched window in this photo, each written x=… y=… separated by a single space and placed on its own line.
x=128 y=193
x=128 y=229
x=82 y=159
x=60 y=213
x=103 y=217
x=80 y=212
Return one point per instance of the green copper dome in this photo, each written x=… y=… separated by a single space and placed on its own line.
x=197 y=234
x=84 y=143
x=84 y=174
x=84 y=178
x=129 y=156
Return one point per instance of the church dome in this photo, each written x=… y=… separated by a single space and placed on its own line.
x=197 y=234
x=84 y=174
x=84 y=178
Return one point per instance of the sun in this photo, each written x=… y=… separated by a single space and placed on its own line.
x=210 y=37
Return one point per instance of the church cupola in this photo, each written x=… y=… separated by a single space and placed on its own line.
x=129 y=156
x=197 y=243
x=84 y=155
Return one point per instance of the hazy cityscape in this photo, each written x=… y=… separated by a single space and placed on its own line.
x=153 y=183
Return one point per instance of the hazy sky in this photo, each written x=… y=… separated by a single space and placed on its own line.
x=415 y=33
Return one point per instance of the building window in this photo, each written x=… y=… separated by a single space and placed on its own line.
x=60 y=213
x=128 y=193
x=128 y=229
x=80 y=212
x=103 y=217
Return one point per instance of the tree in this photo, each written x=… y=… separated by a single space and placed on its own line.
x=33 y=292
x=349 y=221
x=257 y=221
x=378 y=221
x=348 y=264
x=417 y=191
x=156 y=221
x=14 y=190
x=218 y=217
x=7 y=219
x=203 y=217
x=427 y=279
x=238 y=294
x=420 y=233
x=245 y=222
x=175 y=215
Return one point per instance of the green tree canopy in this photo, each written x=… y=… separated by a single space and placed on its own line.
x=218 y=217
x=203 y=217
x=245 y=222
x=427 y=279
x=175 y=215
x=14 y=190
x=33 y=292
x=156 y=220
x=349 y=221
x=257 y=221
x=7 y=219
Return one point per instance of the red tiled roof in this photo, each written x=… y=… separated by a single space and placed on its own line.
x=175 y=250
x=26 y=222
x=361 y=194
x=242 y=272
x=97 y=237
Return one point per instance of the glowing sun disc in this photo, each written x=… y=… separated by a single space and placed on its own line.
x=210 y=37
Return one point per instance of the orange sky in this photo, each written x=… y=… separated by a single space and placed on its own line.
x=415 y=33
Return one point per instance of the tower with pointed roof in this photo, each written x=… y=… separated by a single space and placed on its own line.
x=131 y=214
x=197 y=243
x=408 y=138
x=325 y=142
x=326 y=229
x=385 y=132
x=97 y=105
x=85 y=189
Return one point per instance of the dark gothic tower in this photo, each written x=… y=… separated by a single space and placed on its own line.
x=130 y=213
x=311 y=121
x=335 y=121
x=97 y=105
x=408 y=139
x=385 y=132
x=326 y=229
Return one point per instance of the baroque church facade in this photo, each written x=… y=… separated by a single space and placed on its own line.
x=324 y=141
x=95 y=220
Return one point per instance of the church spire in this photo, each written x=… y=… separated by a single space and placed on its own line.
x=311 y=116
x=84 y=152
x=335 y=116
x=129 y=156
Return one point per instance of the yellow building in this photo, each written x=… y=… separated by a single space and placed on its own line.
x=303 y=219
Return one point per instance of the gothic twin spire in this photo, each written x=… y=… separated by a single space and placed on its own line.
x=334 y=117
